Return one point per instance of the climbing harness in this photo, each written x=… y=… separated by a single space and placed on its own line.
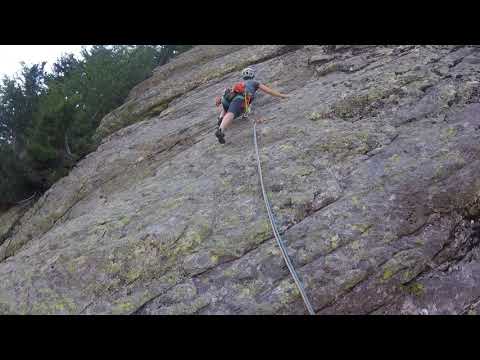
x=274 y=225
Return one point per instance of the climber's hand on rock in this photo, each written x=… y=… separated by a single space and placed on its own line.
x=218 y=101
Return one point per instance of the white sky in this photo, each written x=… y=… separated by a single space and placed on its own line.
x=12 y=55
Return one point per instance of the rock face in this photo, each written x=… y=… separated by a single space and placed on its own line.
x=8 y=221
x=372 y=167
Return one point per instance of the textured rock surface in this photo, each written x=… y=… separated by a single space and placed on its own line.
x=8 y=221
x=372 y=166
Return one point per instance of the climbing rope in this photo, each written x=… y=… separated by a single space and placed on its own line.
x=274 y=226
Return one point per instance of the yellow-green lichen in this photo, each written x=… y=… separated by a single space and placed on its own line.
x=353 y=278
x=204 y=230
x=394 y=266
x=351 y=106
x=334 y=242
x=387 y=274
x=125 y=220
x=389 y=237
x=123 y=308
x=362 y=228
x=114 y=267
x=192 y=239
x=314 y=116
x=287 y=147
x=415 y=289
x=419 y=241
x=264 y=229
x=245 y=292
x=155 y=110
x=5 y=308
x=288 y=292
x=54 y=306
x=133 y=274
x=258 y=233
x=71 y=267
x=171 y=204
x=440 y=172
x=355 y=200
x=407 y=275
x=395 y=158
x=362 y=136
x=65 y=305
x=231 y=220
x=450 y=132
x=305 y=170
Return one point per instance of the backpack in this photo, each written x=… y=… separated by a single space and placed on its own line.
x=237 y=89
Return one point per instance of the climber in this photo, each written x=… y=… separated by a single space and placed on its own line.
x=235 y=100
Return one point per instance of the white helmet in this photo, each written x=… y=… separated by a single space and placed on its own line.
x=248 y=73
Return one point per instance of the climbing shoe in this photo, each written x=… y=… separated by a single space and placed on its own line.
x=220 y=136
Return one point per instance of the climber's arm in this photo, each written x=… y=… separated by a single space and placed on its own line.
x=269 y=91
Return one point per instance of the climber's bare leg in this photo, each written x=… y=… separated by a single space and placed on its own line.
x=227 y=120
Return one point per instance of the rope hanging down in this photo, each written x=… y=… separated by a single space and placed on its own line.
x=275 y=230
